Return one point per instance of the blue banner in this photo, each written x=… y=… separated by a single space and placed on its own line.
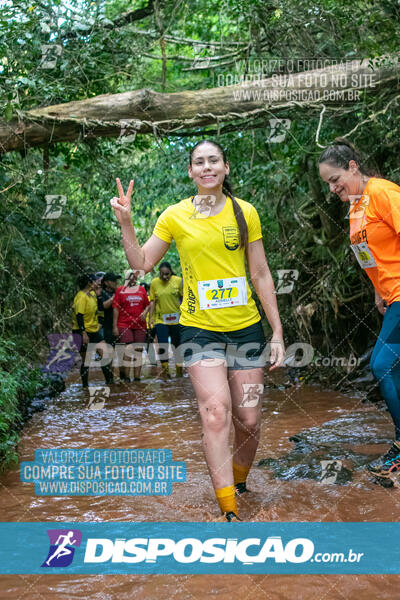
x=192 y=548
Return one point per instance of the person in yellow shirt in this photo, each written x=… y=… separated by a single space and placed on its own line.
x=222 y=338
x=375 y=241
x=85 y=323
x=165 y=299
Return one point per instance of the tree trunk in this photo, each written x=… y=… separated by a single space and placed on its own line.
x=146 y=111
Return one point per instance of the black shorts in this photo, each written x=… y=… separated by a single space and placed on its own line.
x=94 y=338
x=108 y=335
x=150 y=335
x=241 y=349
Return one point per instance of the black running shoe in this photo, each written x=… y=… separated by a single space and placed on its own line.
x=240 y=488
x=227 y=517
x=231 y=517
x=389 y=463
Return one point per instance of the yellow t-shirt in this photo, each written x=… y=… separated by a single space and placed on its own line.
x=209 y=251
x=167 y=296
x=87 y=305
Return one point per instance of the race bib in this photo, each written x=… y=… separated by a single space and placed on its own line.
x=171 y=318
x=363 y=255
x=222 y=293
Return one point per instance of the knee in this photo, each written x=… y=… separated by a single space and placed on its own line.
x=249 y=424
x=215 y=418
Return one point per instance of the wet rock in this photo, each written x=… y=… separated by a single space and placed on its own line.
x=353 y=428
x=38 y=405
x=362 y=380
x=52 y=385
x=365 y=378
x=309 y=467
x=319 y=452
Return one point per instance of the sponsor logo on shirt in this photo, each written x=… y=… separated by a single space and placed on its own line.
x=191 y=301
x=231 y=237
x=359 y=237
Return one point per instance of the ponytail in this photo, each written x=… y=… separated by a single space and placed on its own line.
x=340 y=153
x=237 y=211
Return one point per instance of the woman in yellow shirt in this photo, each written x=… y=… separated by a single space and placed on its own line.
x=222 y=338
x=85 y=322
x=165 y=300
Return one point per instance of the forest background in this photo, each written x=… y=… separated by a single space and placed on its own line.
x=109 y=47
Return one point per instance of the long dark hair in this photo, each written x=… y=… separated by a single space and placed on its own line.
x=84 y=279
x=340 y=153
x=228 y=191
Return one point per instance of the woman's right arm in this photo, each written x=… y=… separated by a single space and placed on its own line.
x=139 y=258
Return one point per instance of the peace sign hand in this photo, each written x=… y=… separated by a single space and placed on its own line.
x=122 y=205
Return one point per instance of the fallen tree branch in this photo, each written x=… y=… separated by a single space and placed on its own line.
x=144 y=111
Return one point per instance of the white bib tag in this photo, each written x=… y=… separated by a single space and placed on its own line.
x=222 y=293
x=171 y=318
x=363 y=255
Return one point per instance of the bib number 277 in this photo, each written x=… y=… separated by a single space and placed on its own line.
x=222 y=293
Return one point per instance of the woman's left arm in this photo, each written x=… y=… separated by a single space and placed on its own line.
x=264 y=285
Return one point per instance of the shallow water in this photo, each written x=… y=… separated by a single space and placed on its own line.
x=163 y=414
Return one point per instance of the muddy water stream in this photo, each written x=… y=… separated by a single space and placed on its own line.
x=163 y=414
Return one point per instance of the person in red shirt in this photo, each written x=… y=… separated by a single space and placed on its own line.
x=375 y=240
x=130 y=307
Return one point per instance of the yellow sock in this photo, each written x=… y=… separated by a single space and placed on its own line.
x=240 y=473
x=226 y=499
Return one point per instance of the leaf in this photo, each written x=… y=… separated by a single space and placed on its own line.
x=8 y=112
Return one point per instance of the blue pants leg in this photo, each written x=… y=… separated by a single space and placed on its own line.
x=385 y=363
x=172 y=331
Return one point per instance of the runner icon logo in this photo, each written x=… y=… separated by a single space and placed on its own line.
x=98 y=397
x=54 y=206
x=63 y=347
x=61 y=551
x=252 y=393
x=330 y=470
x=286 y=280
x=202 y=204
x=279 y=129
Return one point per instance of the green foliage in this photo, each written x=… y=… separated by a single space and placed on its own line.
x=304 y=228
x=19 y=381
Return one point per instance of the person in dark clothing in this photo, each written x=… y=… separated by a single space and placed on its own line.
x=108 y=286
x=97 y=290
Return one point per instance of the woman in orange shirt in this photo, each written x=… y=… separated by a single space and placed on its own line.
x=375 y=241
